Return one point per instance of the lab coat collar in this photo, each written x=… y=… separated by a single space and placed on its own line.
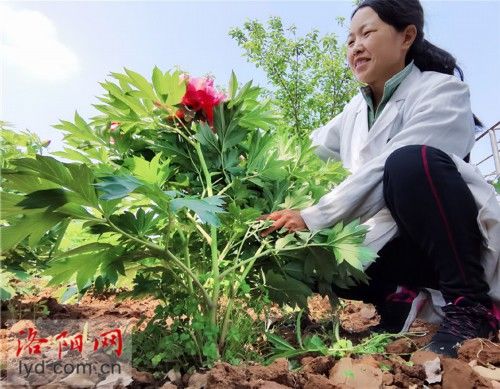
x=380 y=130
x=400 y=93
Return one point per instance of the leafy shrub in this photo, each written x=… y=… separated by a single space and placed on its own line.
x=171 y=178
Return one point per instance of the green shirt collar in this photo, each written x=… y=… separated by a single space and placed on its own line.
x=389 y=88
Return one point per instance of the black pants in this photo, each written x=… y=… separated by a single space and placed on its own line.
x=439 y=240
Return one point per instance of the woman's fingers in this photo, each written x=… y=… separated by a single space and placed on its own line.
x=276 y=226
x=288 y=218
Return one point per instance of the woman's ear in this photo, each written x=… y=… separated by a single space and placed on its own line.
x=409 y=35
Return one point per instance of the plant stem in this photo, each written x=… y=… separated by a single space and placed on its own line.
x=166 y=254
x=199 y=228
x=166 y=234
x=227 y=315
x=187 y=256
x=176 y=130
x=234 y=292
x=213 y=243
x=244 y=262
x=228 y=247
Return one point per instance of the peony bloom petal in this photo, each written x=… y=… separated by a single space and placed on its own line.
x=114 y=126
x=202 y=96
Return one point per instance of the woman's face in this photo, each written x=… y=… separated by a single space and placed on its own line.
x=375 y=50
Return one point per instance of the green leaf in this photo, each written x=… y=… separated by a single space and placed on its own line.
x=32 y=225
x=83 y=126
x=53 y=198
x=117 y=187
x=206 y=137
x=141 y=83
x=6 y=289
x=83 y=261
x=176 y=88
x=169 y=86
x=139 y=224
x=73 y=155
x=283 y=242
x=152 y=172
x=9 y=207
x=75 y=211
x=346 y=243
x=263 y=159
x=45 y=167
x=233 y=85
x=279 y=343
x=80 y=130
x=158 y=358
x=206 y=208
x=158 y=84
x=314 y=343
x=134 y=103
x=25 y=182
x=86 y=248
x=259 y=119
x=284 y=289
x=78 y=178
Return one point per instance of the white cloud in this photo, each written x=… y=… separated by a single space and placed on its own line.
x=29 y=42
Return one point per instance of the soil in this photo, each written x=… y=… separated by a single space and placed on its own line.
x=403 y=366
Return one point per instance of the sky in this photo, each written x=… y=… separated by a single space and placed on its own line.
x=53 y=54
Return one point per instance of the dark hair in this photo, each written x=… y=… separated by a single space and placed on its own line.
x=426 y=56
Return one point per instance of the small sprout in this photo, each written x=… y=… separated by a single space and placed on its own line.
x=385 y=367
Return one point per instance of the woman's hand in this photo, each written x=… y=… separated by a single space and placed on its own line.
x=288 y=218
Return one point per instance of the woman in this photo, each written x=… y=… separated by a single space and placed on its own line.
x=435 y=222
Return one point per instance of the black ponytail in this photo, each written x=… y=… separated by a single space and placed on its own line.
x=426 y=56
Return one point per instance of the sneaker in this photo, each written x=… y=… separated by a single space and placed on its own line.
x=394 y=311
x=464 y=319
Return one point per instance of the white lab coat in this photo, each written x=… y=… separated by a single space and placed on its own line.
x=428 y=108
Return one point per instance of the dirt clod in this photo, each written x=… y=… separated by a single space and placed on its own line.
x=458 y=375
x=401 y=346
x=357 y=316
x=276 y=371
x=350 y=373
x=483 y=350
x=197 y=381
x=318 y=365
x=422 y=356
x=224 y=375
x=315 y=381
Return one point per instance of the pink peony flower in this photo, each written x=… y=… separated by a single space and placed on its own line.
x=114 y=126
x=201 y=95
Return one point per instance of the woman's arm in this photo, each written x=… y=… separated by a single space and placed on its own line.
x=326 y=144
x=440 y=117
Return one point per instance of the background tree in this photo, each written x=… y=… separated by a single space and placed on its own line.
x=310 y=78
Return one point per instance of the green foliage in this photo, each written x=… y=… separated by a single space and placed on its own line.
x=18 y=144
x=39 y=233
x=172 y=206
x=333 y=346
x=188 y=338
x=314 y=262
x=310 y=80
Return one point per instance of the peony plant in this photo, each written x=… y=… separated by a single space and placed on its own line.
x=171 y=178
